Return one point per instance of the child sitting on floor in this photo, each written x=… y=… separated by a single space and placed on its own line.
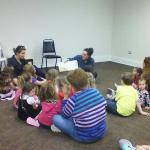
x=59 y=82
x=28 y=68
x=51 y=75
x=6 y=89
x=83 y=115
x=29 y=104
x=144 y=99
x=50 y=105
x=22 y=79
x=137 y=72
x=91 y=80
x=126 y=97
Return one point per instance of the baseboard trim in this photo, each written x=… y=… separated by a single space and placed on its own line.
x=126 y=61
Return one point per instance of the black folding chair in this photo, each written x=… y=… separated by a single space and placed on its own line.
x=49 y=51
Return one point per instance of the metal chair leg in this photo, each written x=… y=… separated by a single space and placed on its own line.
x=55 y=63
x=42 y=63
x=46 y=63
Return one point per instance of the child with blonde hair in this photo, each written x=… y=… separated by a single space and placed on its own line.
x=31 y=69
x=51 y=105
x=22 y=79
x=51 y=74
x=91 y=80
x=60 y=81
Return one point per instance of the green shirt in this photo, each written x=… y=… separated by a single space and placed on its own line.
x=126 y=97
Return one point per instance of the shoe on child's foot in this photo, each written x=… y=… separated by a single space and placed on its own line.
x=55 y=129
x=126 y=145
x=110 y=94
x=32 y=122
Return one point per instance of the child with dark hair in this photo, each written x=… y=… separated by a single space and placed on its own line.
x=29 y=104
x=51 y=106
x=126 y=97
x=137 y=72
x=6 y=85
x=85 y=61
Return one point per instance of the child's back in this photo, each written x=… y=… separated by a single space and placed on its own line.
x=50 y=105
x=126 y=97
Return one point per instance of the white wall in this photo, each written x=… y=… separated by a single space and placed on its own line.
x=73 y=24
x=131 y=31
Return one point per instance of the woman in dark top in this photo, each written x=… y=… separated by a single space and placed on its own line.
x=17 y=61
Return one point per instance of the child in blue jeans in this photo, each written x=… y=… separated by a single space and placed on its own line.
x=83 y=114
x=126 y=97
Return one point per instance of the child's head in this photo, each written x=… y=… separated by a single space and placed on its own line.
x=5 y=80
x=25 y=77
x=91 y=80
x=30 y=69
x=78 y=79
x=137 y=71
x=142 y=84
x=60 y=81
x=146 y=62
x=28 y=89
x=51 y=74
x=9 y=70
x=47 y=92
x=127 y=78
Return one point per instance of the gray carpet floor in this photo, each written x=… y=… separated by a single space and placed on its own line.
x=15 y=135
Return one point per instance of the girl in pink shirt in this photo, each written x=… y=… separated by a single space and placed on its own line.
x=50 y=105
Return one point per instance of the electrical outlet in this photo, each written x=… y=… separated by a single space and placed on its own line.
x=129 y=52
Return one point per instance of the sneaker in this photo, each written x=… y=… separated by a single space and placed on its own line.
x=32 y=122
x=126 y=145
x=55 y=129
x=110 y=94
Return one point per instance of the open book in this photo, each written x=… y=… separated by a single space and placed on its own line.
x=68 y=65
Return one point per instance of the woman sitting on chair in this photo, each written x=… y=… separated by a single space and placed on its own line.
x=17 y=61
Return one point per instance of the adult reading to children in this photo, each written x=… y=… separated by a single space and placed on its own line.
x=17 y=61
x=85 y=61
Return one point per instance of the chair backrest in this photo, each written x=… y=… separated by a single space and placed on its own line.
x=48 y=46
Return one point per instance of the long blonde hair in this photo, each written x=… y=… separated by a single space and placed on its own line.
x=51 y=74
x=22 y=79
x=91 y=80
x=30 y=69
x=47 y=92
